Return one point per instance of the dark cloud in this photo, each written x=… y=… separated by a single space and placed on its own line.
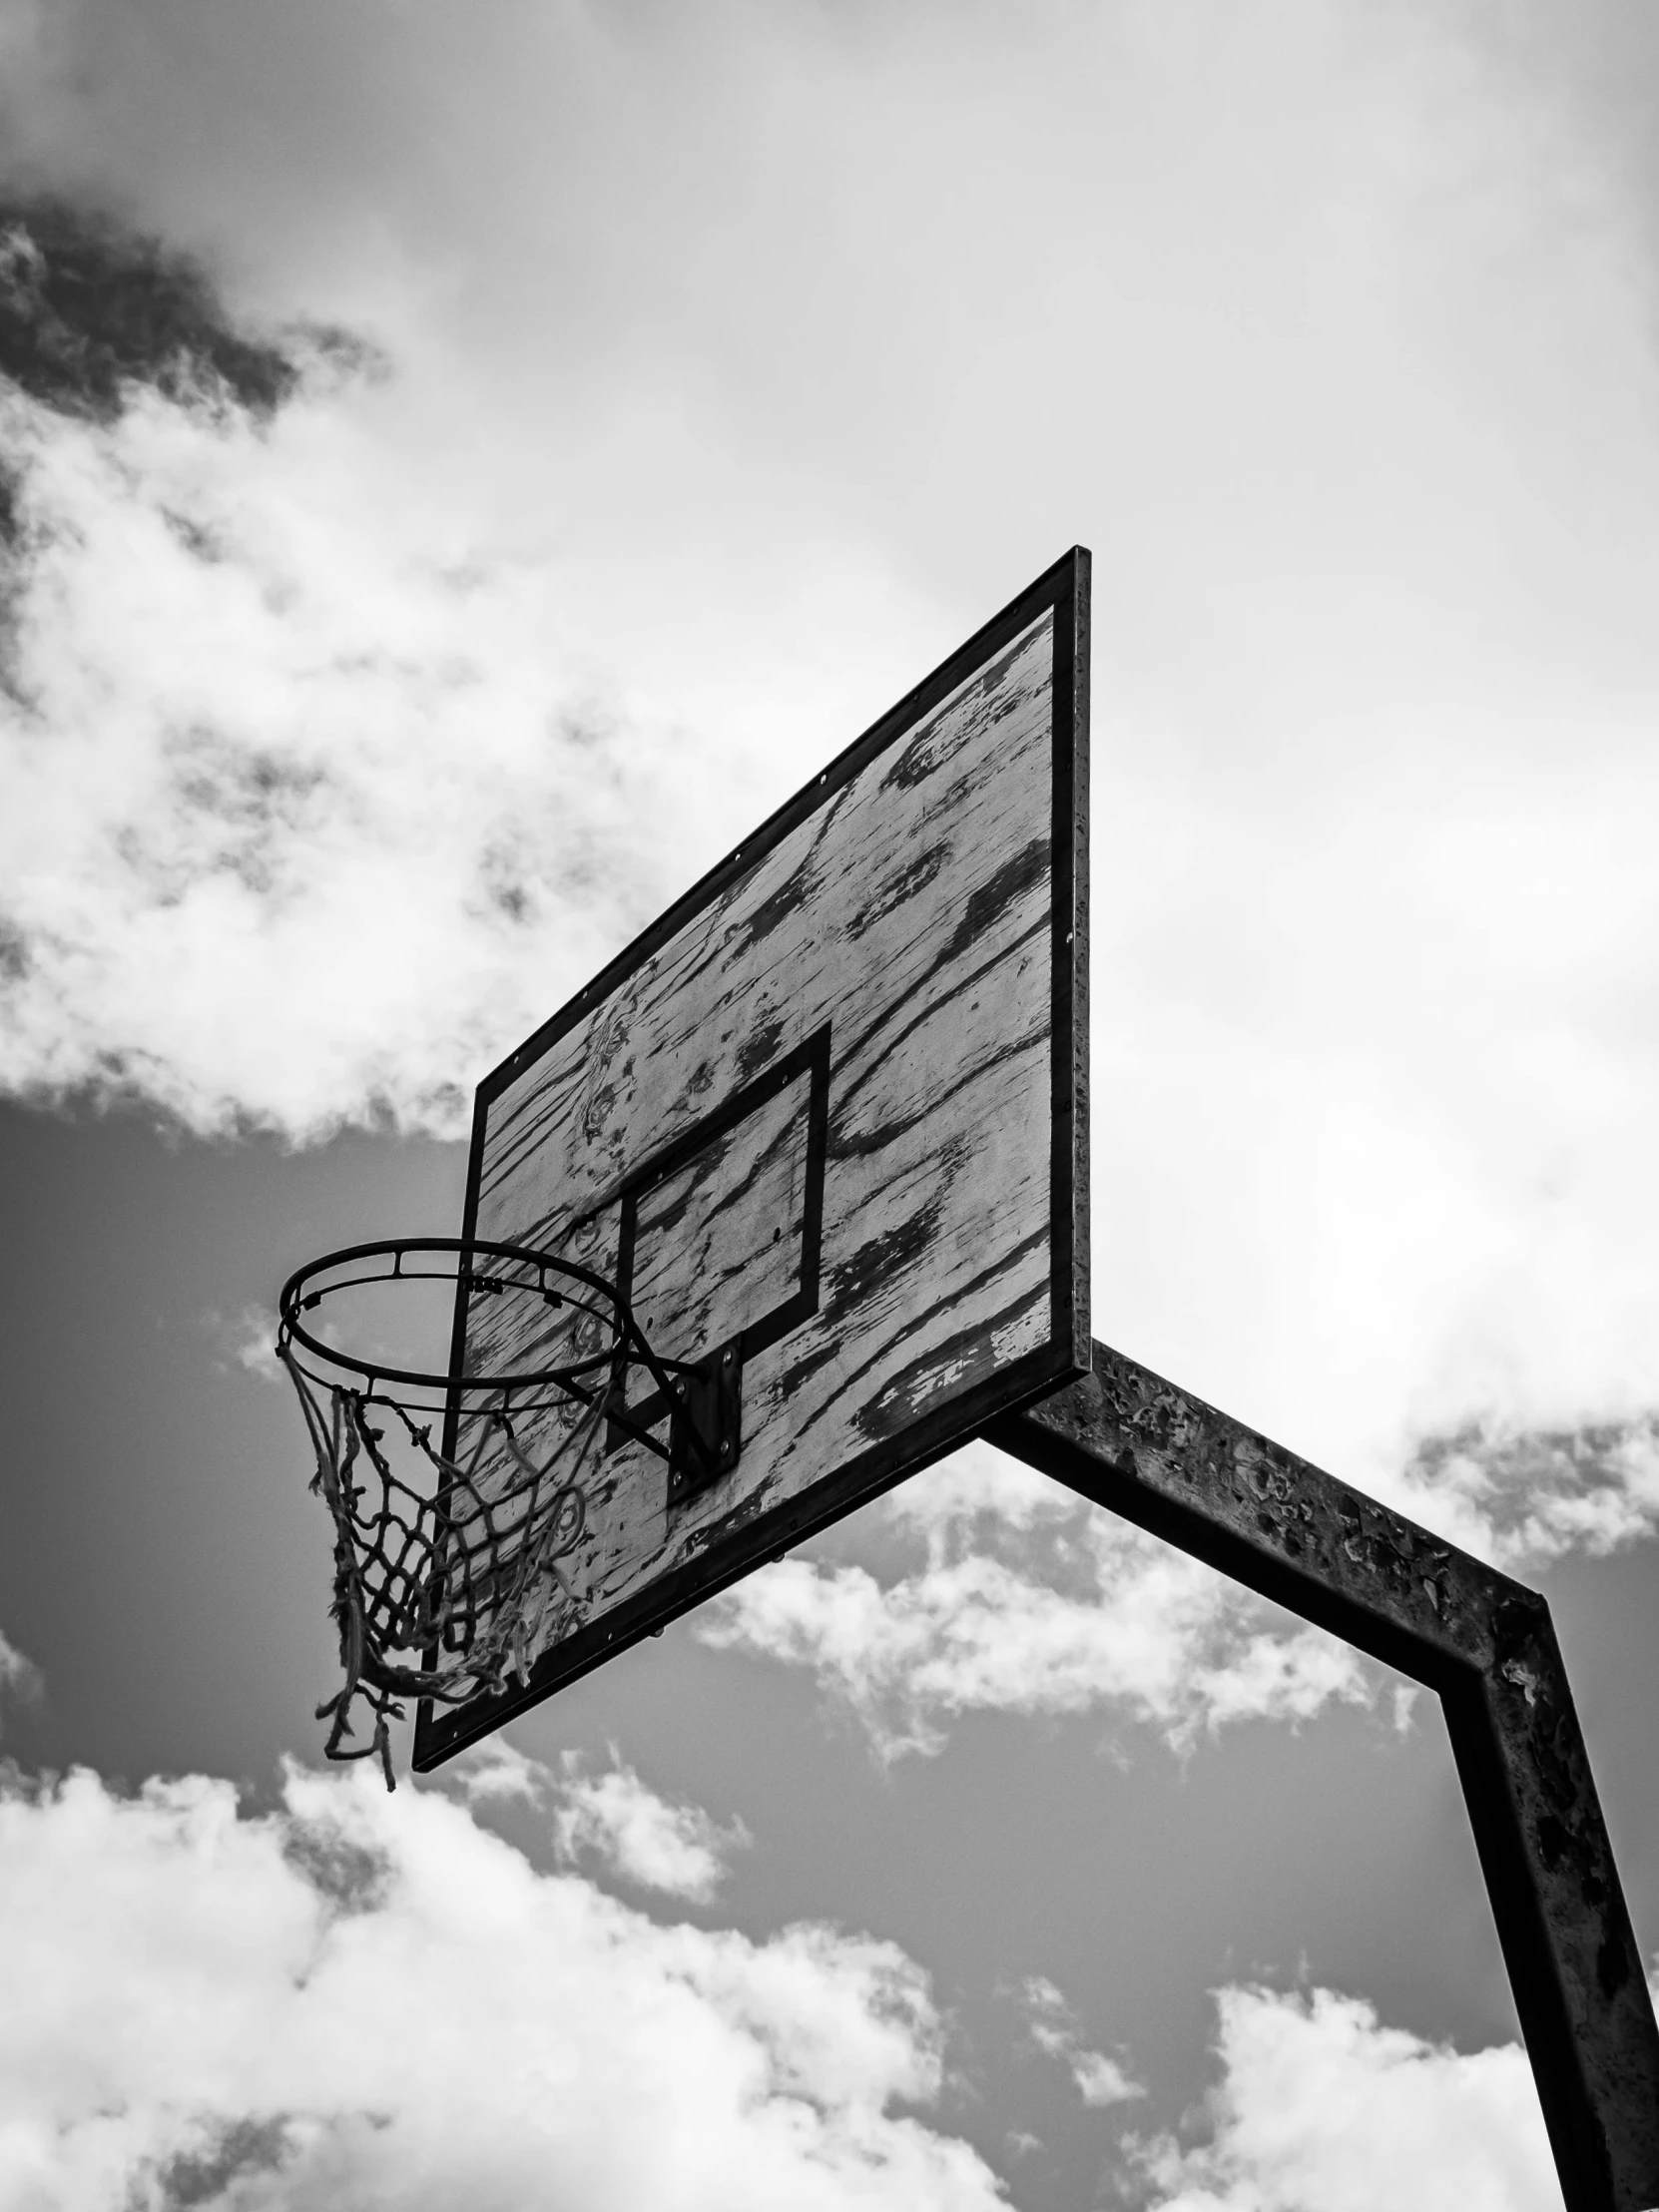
x=89 y=309
x=92 y=312
x=352 y=1877
x=236 y=2149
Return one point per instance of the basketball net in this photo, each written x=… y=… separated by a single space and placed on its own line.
x=446 y=1570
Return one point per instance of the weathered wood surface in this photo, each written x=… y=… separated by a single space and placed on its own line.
x=914 y=913
x=717 y=1240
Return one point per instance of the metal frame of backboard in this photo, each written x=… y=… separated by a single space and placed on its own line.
x=1058 y=600
x=1128 y=1441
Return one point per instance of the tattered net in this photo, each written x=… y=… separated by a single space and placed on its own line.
x=448 y=1559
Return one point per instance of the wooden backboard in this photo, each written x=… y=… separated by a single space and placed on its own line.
x=830 y=1112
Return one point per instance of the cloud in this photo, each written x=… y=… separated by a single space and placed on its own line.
x=256 y=1348
x=620 y=1820
x=358 y=1997
x=613 y=1817
x=1528 y=1496
x=20 y=1678
x=1100 y=2080
x=247 y=1339
x=303 y=823
x=89 y=310
x=496 y=1771
x=1030 y=1601
x=1322 y=2109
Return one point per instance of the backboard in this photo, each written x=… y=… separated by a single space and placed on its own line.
x=824 y=1122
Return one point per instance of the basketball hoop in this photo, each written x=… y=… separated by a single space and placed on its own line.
x=447 y=1571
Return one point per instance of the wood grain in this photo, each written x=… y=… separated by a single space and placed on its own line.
x=912 y=912
x=718 y=1240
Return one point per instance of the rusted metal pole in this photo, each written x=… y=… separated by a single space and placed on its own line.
x=1129 y=1441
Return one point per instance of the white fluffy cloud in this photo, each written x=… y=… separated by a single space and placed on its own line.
x=301 y=823
x=1028 y=1602
x=359 y=1998
x=1321 y=2109
x=1101 y=2081
x=614 y=1816
x=365 y=1999
x=19 y=1677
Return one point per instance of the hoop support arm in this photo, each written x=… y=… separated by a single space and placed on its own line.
x=1127 y=1439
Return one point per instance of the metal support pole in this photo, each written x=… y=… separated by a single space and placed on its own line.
x=1129 y=1441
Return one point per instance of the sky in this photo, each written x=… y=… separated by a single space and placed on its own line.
x=458 y=472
